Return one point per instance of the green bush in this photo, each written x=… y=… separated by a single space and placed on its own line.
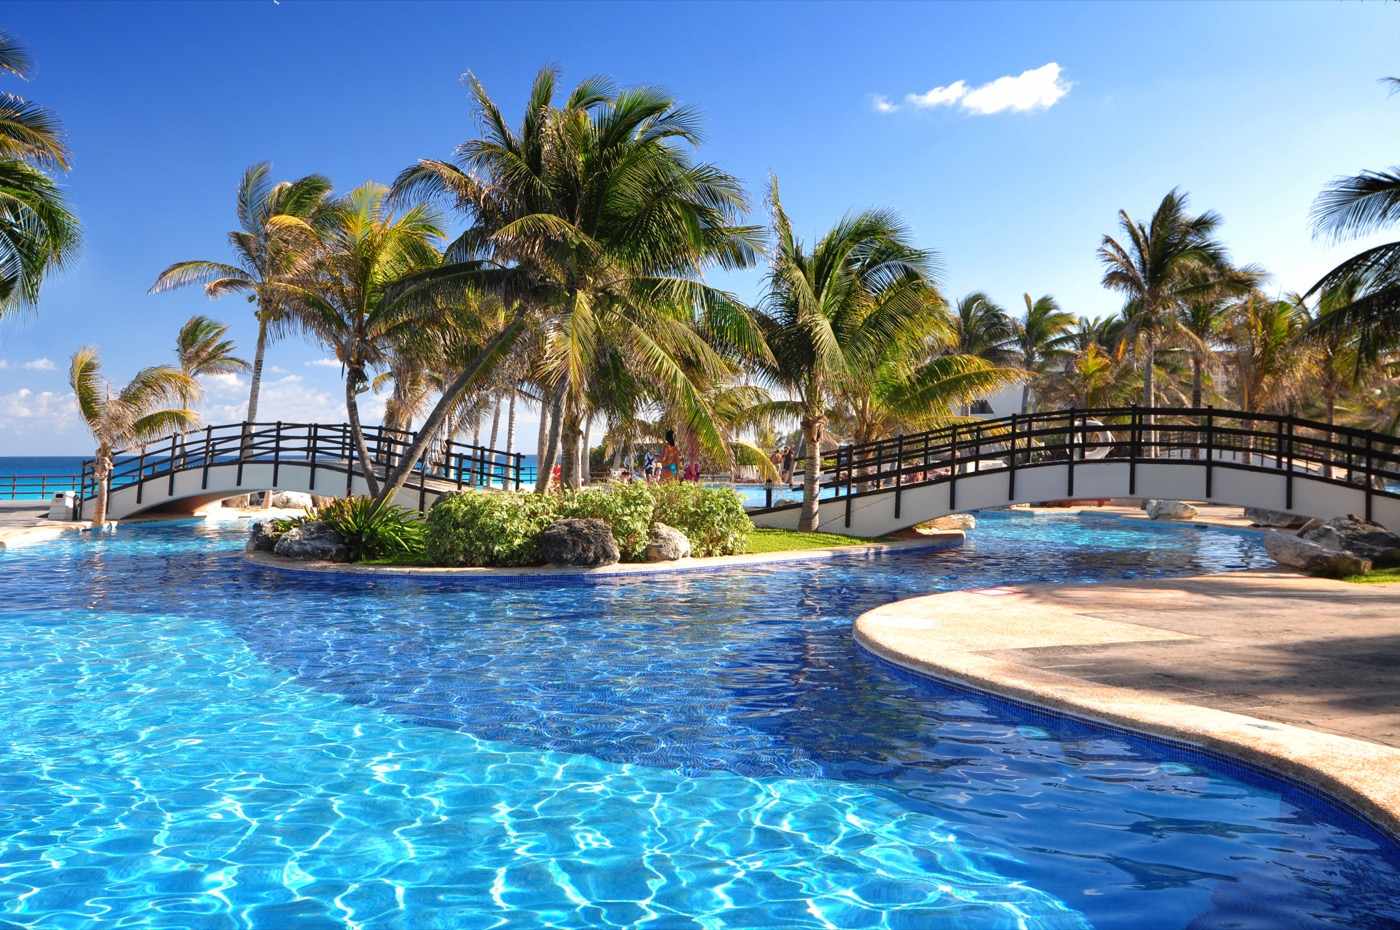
x=712 y=518
x=488 y=527
x=374 y=533
x=625 y=508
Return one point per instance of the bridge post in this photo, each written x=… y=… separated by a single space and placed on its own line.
x=1011 y=463
x=953 y=468
x=141 y=474
x=1210 y=449
x=170 y=487
x=898 y=471
x=1133 y=451
x=276 y=453
x=520 y=468
x=1069 y=491
x=312 y=441
x=208 y=451
x=243 y=442
x=1370 y=477
x=1288 y=469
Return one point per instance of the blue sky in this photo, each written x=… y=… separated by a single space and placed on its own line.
x=1249 y=107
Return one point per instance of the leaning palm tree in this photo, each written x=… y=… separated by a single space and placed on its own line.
x=599 y=205
x=1160 y=266
x=342 y=297
x=1355 y=206
x=1041 y=339
x=832 y=312
x=37 y=231
x=202 y=348
x=150 y=406
x=278 y=232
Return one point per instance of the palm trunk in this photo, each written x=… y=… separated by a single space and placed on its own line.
x=510 y=430
x=352 y=407
x=571 y=434
x=498 y=344
x=255 y=380
x=495 y=429
x=811 y=505
x=549 y=452
x=543 y=440
x=1148 y=392
x=101 y=473
x=1197 y=380
x=1026 y=397
x=585 y=467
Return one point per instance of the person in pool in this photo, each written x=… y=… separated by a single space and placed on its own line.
x=670 y=459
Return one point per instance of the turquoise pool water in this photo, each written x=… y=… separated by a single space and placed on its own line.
x=193 y=742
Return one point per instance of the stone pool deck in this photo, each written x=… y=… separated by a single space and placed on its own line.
x=1296 y=674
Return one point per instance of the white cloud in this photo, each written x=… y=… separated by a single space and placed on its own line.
x=226 y=383
x=39 y=364
x=24 y=404
x=938 y=96
x=1035 y=89
x=292 y=400
x=323 y=363
x=4 y=364
x=882 y=104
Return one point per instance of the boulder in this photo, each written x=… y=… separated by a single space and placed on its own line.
x=291 y=500
x=241 y=502
x=1313 y=558
x=312 y=542
x=953 y=521
x=1169 y=510
x=666 y=544
x=1261 y=516
x=582 y=542
x=1358 y=537
x=261 y=538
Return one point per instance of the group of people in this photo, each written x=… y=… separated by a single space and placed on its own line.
x=664 y=467
x=784 y=460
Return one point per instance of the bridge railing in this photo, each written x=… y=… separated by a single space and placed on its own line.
x=326 y=448
x=36 y=487
x=1206 y=436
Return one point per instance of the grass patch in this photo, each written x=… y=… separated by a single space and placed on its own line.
x=1379 y=576
x=769 y=540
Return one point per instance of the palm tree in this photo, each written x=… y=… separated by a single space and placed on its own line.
x=983 y=329
x=38 y=233
x=1271 y=360
x=203 y=348
x=833 y=312
x=1158 y=268
x=1041 y=339
x=150 y=406
x=1350 y=207
x=278 y=232
x=598 y=205
x=1335 y=356
x=342 y=297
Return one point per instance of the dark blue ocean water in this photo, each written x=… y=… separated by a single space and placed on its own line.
x=194 y=742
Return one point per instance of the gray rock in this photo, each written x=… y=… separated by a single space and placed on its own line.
x=261 y=538
x=1356 y=536
x=1313 y=558
x=1169 y=510
x=666 y=544
x=1261 y=516
x=580 y=542
x=291 y=500
x=953 y=521
x=312 y=542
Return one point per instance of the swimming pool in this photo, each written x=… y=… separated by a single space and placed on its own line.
x=195 y=742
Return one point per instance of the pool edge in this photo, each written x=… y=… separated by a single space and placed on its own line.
x=1360 y=776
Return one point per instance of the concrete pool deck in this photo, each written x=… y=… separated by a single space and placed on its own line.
x=1296 y=674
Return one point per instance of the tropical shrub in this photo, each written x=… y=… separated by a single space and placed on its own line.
x=712 y=518
x=488 y=527
x=373 y=532
x=625 y=508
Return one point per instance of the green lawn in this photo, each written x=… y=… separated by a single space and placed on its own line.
x=766 y=540
x=1379 y=576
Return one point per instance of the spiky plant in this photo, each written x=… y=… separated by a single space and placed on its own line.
x=153 y=404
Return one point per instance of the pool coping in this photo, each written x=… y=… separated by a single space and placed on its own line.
x=1360 y=775
x=943 y=539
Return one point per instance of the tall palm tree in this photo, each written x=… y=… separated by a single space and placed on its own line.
x=599 y=202
x=203 y=348
x=277 y=234
x=983 y=329
x=1335 y=354
x=832 y=313
x=343 y=297
x=1041 y=339
x=1354 y=206
x=38 y=233
x=1160 y=266
x=152 y=405
x=1271 y=360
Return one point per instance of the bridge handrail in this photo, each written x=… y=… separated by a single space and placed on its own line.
x=1204 y=435
x=327 y=446
x=36 y=486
